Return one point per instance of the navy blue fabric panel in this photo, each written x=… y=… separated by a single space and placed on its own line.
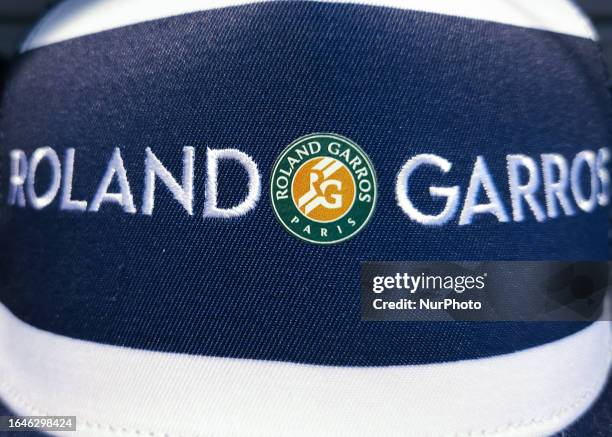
x=256 y=77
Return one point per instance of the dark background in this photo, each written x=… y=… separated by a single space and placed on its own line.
x=600 y=12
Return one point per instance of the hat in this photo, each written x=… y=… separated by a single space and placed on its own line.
x=189 y=191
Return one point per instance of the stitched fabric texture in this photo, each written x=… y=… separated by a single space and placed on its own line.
x=138 y=168
x=397 y=82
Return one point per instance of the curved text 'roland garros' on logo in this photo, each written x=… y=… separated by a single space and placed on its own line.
x=323 y=188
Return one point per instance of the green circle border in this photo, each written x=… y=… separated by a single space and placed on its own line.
x=374 y=178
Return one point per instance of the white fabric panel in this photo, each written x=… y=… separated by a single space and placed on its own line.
x=74 y=18
x=116 y=391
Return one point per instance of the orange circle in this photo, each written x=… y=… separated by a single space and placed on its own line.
x=323 y=189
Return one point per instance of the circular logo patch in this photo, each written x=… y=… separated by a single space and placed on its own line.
x=323 y=188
